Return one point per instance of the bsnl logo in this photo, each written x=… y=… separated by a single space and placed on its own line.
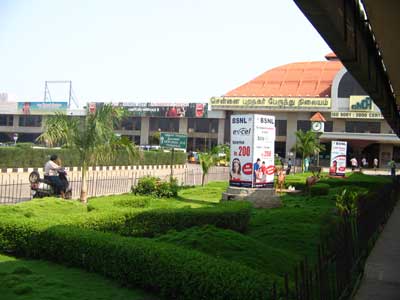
x=364 y=104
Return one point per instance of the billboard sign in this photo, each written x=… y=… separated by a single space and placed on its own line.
x=169 y=110
x=42 y=108
x=173 y=140
x=338 y=158
x=286 y=103
x=252 y=151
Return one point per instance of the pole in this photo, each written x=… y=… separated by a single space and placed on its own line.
x=172 y=165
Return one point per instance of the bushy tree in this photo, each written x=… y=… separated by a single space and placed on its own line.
x=93 y=137
x=307 y=144
x=206 y=162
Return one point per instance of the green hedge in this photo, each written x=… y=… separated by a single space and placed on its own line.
x=25 y=157
x=148 y=223
x=319 y=189
x=173 y=272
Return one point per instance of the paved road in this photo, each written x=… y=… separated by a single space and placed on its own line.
x=382 y=270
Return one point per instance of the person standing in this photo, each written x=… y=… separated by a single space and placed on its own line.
x=306 y=164
x=289 y=166
x=392 y=166
x=376 y=162
x=354 y=163
x=256 y=169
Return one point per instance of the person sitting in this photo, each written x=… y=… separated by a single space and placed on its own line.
x=51 y=169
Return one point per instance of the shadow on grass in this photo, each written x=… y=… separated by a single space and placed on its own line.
x=195 y=201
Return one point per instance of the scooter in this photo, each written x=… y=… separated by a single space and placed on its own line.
x=41 y=187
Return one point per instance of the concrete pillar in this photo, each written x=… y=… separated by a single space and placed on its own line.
x=291 y=137
x=385 y=154
x=339 y=125
x=221 y=131
x=144 y=131
x=183 y=125
x=16 y=121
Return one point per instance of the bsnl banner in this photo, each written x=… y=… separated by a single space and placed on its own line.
x=338 y=158
x=252 y=151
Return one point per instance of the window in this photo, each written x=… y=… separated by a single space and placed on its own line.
x=129 y=123
x=363 y=127
x=203 y=125
x=30 y=121
x=304 y=125
x=6 y=120
x=164 y=124
x=328 y=127
x=280 y=148
x=281 y=127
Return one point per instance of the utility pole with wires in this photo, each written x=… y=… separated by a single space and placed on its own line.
x=71 y=95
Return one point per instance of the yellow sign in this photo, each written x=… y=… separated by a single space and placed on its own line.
x=361 y=103
x=356 y=115
x=274 y=102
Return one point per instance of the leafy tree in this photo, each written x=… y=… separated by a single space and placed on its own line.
x=93 y=138
x=223 y=148
x=307 y=144
x=155 y=138
x=206 y=162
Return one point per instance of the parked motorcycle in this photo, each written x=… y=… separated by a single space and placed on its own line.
x=41 y=187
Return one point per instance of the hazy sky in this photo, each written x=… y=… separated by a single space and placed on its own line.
x=148 y=50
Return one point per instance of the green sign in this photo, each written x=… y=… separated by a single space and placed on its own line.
x=173 y=140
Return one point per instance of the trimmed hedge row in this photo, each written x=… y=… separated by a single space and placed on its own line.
x=35 y=158
x=319 y=189
x=148 y=223
x=173 y=272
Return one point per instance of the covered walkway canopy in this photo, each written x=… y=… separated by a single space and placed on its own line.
x=364 y=35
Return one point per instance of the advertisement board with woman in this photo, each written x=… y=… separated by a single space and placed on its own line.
x=337 y=166
x=252 y=151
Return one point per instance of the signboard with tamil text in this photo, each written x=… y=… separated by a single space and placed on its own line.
x=271 y=102
x=173 y=140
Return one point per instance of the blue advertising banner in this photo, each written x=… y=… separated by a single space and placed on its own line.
x=42 y=108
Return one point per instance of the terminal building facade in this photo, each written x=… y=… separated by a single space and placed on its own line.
x=292 y=93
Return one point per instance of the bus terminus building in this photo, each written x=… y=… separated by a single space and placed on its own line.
x=292 y=93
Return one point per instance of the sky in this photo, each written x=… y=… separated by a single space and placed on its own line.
x=143 y=51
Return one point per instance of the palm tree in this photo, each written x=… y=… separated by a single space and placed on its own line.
x=206 y=162
x=93 y=138
x=307 y=144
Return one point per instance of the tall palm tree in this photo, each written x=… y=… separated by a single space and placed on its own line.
x=93 y=138
x=206 y=162
x=307 y=144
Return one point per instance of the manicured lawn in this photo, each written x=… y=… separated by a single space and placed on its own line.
x=38 y=280
x=276 y=240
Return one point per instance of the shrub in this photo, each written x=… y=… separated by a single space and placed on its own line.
x=35 y=158
x=172 y=271
x=150 y=185
x=232 y=215
x=319 y=189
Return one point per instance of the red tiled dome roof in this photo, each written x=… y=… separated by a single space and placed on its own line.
x=303 y=79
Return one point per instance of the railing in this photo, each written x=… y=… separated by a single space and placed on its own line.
x=15 y=189
x=340 y=260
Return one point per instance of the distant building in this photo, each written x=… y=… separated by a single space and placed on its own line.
x=296 y=91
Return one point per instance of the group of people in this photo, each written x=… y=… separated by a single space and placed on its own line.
x=364 y=163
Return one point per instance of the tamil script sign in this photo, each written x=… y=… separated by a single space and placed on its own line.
x=173 y=140
x=356 y=115
x=42 y=107
x=252 y=150
x=338 y=158
x=271 y=102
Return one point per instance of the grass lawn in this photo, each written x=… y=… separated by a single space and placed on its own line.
x=33 y=280
x=276 y=241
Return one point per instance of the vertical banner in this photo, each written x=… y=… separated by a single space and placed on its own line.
x=338 y=158
x=264 y=151
x=241 y=164
x=252 y=151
